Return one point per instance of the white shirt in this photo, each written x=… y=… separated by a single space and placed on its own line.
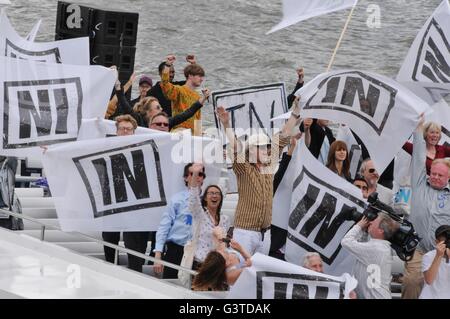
x=205 y=242
x=440 y=288
x=373 y=264
x=323 y=155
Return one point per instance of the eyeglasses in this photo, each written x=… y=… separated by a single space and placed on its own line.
x=372 y=170
x=126 y=129
x=213 y=193
x=200 y=174
x=161 y=124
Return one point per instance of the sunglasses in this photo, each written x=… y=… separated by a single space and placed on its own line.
x=372 y=170
x=161 y=124
x=200 y=174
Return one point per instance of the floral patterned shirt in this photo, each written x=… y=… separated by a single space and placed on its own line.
x=205 y=242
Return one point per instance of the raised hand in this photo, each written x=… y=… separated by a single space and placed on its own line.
x=190 y=58
x=223 y=116
x=301 y=75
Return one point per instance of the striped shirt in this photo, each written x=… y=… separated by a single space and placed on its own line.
x=182 y=98
x=255 y=188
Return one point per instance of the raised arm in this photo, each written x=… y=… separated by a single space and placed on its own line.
x=190 y=112
x=419 y=153
x=169 y=90
x=298 y=86
x=224 y=118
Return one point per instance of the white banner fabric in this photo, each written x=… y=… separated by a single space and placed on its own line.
x=298 y=10
x=121 y=183
x=33 y=33
x=270 y=278
x=318 y=216
x=428 y=60
x=44 y=103
x=372 y=105
x=70 y=51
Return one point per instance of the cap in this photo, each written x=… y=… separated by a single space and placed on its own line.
x=258 y=140
x=145 y=79
x=441 y=230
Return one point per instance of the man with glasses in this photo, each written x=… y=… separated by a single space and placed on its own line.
x=175 y=227
x=134 y=240
x=370 y=174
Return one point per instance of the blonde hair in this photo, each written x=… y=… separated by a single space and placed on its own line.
x=431 y=126
x=442 y=161
x=143 y=106
x=126 y=118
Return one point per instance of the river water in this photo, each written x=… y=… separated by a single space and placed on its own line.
x=228 y=37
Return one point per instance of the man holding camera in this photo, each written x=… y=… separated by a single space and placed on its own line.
x=430 y=208
x=436 y=267
x=373 y=257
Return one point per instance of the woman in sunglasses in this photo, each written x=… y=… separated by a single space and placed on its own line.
x=205 y=211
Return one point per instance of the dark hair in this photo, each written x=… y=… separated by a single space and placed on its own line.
x=212 y=273
x=359 y=177
x=186 y=171
x=193 y=69
x=443 y=230
x=159 y=114
x=331 y=162
x=203 y=199
x=161 y=67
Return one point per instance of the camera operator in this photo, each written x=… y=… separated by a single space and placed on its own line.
x=373 y=257
x=430 y=208
x=436 y=268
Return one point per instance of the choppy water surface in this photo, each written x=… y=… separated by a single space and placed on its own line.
x=228 y=37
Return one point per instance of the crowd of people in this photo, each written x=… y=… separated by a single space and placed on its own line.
x=223 y=249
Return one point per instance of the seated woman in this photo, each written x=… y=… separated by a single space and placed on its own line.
x=218 y=273
x=338 y=159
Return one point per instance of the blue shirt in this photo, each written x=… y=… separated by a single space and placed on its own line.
x=176 y=222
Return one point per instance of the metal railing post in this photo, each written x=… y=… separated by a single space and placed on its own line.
x=42 y=232
x=116 y=256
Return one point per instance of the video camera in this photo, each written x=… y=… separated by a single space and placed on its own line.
x=405 y=239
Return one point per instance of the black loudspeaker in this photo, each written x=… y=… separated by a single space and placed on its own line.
x=102 y=26
x=112 y=34
x=107 y=55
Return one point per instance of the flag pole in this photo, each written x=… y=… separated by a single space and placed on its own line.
x=341 y=37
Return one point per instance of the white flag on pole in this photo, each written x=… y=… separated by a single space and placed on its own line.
x=317 y=217
x=298 y=10
x=270 y=278
x=44 y=103
x=71 y=51
x=120 y=183
x=372 y=105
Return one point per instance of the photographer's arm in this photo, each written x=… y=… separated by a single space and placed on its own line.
x=361 y=250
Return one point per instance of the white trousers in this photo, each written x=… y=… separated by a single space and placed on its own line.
x=252 y=241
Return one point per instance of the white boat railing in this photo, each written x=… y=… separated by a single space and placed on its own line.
x=117 y=248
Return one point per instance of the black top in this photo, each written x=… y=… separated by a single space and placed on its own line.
x=291 y=97
x=125 y=108
x=318 y=135
x=157 y=92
